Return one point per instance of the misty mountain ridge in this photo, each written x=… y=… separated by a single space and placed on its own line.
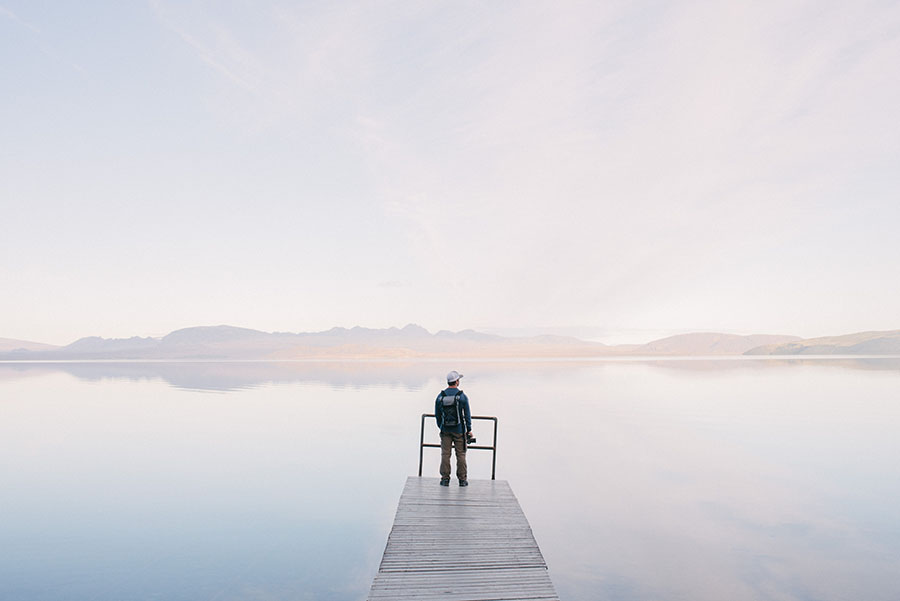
x=230 y=342
x=224 y=342
x=96 y=344
x=860 y=343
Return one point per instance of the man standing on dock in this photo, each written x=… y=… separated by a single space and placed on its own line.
x=451 y=410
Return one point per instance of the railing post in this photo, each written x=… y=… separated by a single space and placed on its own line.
x=494 y=458
x=421 y=443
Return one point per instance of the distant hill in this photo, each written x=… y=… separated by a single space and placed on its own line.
x=702 y=343
x=95 y=344
x=860 y=343
x=10 y=345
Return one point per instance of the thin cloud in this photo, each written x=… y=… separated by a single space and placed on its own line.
x=14 y=17
x=204 y=52
x=45 y=49
x=295 y=72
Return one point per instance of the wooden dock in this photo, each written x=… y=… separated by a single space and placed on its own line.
x=461 y=544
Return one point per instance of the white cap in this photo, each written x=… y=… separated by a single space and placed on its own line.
x=453 y=376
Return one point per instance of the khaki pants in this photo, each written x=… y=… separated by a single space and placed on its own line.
x=458 y=441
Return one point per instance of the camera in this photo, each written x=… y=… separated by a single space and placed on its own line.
x=470 y=439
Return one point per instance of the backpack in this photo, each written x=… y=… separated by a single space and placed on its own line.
x=450 y=409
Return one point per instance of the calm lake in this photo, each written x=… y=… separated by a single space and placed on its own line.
x=715 y=480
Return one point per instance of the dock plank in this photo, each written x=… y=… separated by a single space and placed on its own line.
x=461 y=544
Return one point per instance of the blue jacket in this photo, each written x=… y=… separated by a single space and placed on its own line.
x=463 y=407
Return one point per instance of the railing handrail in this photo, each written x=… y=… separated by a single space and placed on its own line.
x=493 y=447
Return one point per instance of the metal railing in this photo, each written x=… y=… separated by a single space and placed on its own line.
x=493 y=447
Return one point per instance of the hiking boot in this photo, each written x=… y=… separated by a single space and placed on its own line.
x=445 y=481
x=463 y=482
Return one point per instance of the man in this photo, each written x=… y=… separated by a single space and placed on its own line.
x=451 y=410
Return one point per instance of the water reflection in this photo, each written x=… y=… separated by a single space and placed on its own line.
x=674 y=479
x=413 y=375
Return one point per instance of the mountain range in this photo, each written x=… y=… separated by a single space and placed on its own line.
x=412 y=341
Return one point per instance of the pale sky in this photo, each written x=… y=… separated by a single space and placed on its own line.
x=566 y=166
